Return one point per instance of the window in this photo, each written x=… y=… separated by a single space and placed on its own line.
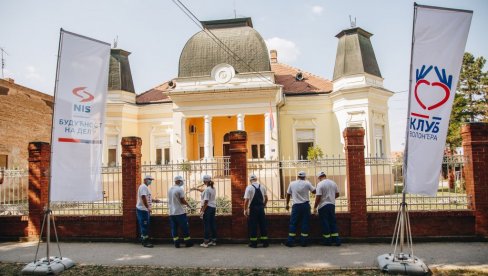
x=257 y=151
x=112 y=150
x=378 y=137
x=112 y=157
x=379 y=148
x=303 y=150
x=305 y=139
x=226 y=145
x=159 y=156
x=3 y=161
x=167 y=156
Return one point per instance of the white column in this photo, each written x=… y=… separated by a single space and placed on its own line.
x=183 y=139
x=267 y=136
x=208 y=139
x=240 y=121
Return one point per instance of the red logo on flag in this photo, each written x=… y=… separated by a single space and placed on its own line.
x=83 y=94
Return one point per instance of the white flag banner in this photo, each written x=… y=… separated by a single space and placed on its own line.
x=439 y=39
x=78 y=119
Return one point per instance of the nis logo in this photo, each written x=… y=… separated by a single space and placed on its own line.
x=85 y=99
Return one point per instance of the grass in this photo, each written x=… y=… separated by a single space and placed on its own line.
x=15 y=268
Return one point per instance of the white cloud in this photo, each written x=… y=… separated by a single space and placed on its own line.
x=32 y=74
x=287 y=50
x=317 y=10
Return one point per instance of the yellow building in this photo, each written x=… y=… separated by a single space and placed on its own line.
x=228 y=80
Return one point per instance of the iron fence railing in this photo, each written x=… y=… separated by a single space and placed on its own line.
x=192 y=171
x=384 y=182
x=384 y=185
x=111 y=203
x=277 y=175
x=14 y=192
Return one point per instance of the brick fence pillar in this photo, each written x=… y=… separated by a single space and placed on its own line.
x=131 y=178
x=475 y=146
x=238 y=178
x=356 y=180
x=39 y=162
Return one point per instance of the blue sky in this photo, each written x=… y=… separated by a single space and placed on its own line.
x=155 y=32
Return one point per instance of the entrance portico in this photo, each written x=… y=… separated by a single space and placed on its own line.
x=207 y=136
x=209 y=107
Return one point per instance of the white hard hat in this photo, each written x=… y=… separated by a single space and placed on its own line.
x=206 y=178
x=148 y=177
x=321 y=174
x=253 y=177
x=302 y=174
x=178 y=178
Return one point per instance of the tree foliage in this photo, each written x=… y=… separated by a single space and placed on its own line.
x=471 y=98
x=314 y=153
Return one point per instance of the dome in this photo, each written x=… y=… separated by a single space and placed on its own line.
x=202 y=53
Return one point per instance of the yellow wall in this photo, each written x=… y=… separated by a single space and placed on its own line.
x=313 y=112
x=192 y=139
x=220 y=126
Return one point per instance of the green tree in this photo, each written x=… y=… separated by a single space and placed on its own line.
x=471 y=98
x=314 y=153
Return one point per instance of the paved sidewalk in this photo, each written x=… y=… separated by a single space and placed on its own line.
x=449 y=255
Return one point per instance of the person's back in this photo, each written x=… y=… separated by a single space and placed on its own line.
x=175 y=194
x=255 y=200
x=300 y=191
x=327 y=192
x=328 y=189
x=209 y=194
x=177 y=214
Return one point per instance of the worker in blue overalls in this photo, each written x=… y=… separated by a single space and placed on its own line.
x=255 y=200
x=299 y=192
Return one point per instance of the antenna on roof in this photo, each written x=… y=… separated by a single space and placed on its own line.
x=3 y=60
x=116 y=40
x=353 y=23
x=235 y=12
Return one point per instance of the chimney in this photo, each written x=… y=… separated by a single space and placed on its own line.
x=273 y=56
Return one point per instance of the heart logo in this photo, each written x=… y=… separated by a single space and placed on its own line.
x=447 y=93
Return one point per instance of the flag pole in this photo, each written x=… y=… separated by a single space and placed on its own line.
x=401 y=262
x=55 y=265
x=403 y=207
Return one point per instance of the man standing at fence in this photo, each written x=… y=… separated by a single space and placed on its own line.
x=327 y=192
x=177 y=213
x=255 y=200
x=299 y=192
x=143 y=210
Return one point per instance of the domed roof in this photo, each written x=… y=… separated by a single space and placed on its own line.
x=203 y=52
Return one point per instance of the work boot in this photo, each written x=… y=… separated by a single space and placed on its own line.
x=177 y=244
x=265 y=244
x=337 y=241
x=189 y=244
x=146 y=243
x=253 y=244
